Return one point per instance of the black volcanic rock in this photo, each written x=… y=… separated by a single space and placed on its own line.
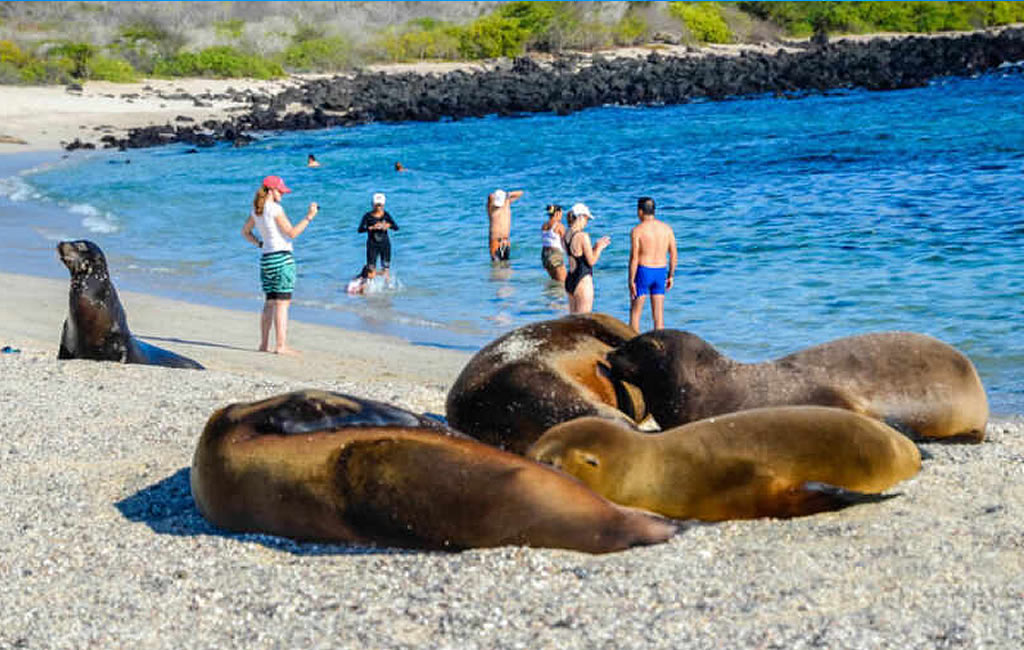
x=571 y=83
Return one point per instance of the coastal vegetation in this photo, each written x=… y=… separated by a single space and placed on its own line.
x=54 y=42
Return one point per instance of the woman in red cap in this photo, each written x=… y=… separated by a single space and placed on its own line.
x=277 y=265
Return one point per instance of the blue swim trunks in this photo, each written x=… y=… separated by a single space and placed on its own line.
x=650 y=280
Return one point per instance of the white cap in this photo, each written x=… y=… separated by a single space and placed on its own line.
x=498 y=198
x=580 y=209
x=379 y=198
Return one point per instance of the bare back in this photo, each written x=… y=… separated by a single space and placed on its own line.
x=652 y=241
x=501 y=220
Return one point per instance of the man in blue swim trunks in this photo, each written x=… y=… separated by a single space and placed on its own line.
x=651 y=241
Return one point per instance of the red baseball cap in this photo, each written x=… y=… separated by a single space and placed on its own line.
x=276 y=183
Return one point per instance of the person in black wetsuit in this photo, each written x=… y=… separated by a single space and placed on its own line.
x=376 y=224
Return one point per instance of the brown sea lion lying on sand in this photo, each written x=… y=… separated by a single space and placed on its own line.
x=770 y=462
x=539 y=375
x=915 y=383
x=323 y=466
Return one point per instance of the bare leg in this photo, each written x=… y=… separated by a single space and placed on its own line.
x=636 y=309
x=266 y=318
x=658 y=310
x=585 y=295
x=281 y=327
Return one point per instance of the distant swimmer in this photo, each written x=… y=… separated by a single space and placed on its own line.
x=499 y=213
x=579 y=281
x=311 y=161
x=376 y=224
x=399 y=167
x=651 y=241
x=552 y=236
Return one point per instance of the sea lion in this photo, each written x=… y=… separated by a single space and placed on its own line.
x=539 y=375
x=96 y=326
x=315 y=465
x=914 y=383
x=771 y=462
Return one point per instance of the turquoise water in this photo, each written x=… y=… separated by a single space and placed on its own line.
x=798 y=221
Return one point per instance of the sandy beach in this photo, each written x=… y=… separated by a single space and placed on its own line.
x=102 y=546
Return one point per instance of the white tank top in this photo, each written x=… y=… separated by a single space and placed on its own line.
x=550 y=239
x=273 y=239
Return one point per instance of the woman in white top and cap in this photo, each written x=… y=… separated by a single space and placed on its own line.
x=277 y=264
x=552 y=252
x=579 y=281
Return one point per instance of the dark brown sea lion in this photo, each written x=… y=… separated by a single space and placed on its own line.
x=96 y=326
x=771 y=462
x=539 y=375
x=915 y=383
x=323 y=466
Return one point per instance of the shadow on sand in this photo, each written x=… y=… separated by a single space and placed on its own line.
x=167 y=508
x=169 y=339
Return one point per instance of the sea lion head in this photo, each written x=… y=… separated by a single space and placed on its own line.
x=82 y=257
x=669 y=366
x=595 y=450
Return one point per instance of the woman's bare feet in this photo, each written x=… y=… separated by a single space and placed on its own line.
x=291 y=352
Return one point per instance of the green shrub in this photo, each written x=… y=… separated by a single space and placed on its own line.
x=704 y=20
x=79 y=54
x=106 y=69
x=318 y=54
x=492 y=36
x=630 y=30
x=47 y=71
x=13 y=55
x=800 y=18
x=220 y=61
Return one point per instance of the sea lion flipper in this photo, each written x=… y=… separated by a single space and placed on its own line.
x=64 y=352
x=812 y=497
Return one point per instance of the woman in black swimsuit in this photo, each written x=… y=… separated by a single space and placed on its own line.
x=579 y=283
x=376 y=224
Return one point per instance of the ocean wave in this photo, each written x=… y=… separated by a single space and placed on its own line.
x=16 y=189
x=94 y=219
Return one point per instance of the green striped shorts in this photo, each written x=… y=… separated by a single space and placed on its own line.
x=277 y=274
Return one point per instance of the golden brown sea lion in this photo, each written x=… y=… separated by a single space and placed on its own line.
x=324 y=466
x=915 y=383
x=539 y=375
x=770 y=462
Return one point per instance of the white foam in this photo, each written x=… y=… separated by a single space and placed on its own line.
x=16 y=189
x=94 y=219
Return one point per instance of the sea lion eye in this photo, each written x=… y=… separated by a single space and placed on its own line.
x=591 y=460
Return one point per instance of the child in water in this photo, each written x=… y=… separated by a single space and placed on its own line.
x=360 y=283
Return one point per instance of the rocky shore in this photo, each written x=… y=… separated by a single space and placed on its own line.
x=574 y=82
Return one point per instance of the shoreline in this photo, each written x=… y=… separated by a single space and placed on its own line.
x=203 y=111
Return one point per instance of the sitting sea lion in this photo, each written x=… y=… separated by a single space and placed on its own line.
x=539 y=375
x=915 y=383
x=96 y=326
x=770 y=462
x=314 y=465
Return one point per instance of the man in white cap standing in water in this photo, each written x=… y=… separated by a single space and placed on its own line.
x=499 y=211
x=376 y=224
